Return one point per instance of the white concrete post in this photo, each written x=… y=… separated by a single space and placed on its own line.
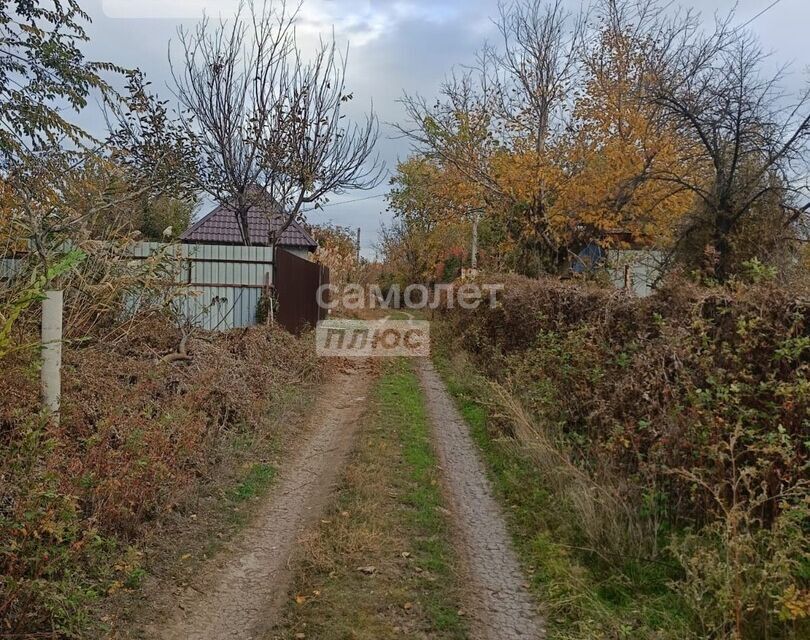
x=51 y=380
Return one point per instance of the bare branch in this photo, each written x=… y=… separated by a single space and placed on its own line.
x=268 y=122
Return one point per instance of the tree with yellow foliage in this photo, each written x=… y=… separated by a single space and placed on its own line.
x=431 y=205
x=337 y=250
x=498 y=126
x=619 y=142
x=635 y=127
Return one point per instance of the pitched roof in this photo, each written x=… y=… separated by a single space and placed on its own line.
x=220 y=227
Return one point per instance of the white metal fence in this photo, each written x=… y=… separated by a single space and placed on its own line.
x=7 y=267
x=224 y=282
x=221 y=284
x=636 y=269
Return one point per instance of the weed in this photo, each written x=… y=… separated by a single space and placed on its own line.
x=138 y=437
x=256 y=481
x=585 y=595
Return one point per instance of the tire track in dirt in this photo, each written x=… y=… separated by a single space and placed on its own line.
x=239 y=599
x=499 y=605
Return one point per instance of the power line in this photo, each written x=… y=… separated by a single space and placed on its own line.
x=761 y=13
x=335 y=204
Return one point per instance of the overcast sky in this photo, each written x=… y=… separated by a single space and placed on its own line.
x=395 y=46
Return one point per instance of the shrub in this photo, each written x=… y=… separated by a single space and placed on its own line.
x=137 y=432
x=690 y=409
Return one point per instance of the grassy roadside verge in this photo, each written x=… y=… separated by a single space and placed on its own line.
x=584 y=596
x=206 y=521
x=380 y=564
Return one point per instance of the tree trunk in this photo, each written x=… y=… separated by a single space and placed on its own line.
x=722 y=246
x=474 y=250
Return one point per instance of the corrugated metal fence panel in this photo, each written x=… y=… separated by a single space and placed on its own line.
x=220 y=308
x=644 y=269
x=297 y=282
x=8 y=267
x=225 y=282
x=214 y=264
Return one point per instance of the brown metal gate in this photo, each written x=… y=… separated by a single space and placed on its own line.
x=296 y=282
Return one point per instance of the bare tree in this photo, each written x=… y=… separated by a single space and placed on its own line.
x=535 y=67
x=512 y=92
x=746 y=137
x=456 y=130
x=269 y=123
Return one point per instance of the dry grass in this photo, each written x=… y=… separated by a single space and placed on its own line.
x=584 y=594
x=598 y=500
x=626 y=409
x=140 y=438
x=357 y=533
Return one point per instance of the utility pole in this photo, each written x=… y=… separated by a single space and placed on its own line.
x=358 y=246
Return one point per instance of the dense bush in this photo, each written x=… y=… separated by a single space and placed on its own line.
x=689 y=410
x=137 y=431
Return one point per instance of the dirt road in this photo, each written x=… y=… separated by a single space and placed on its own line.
x=499 y=605
x=238 y=600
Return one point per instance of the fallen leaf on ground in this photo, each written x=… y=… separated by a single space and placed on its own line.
x=370 y=570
